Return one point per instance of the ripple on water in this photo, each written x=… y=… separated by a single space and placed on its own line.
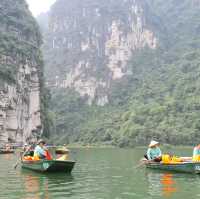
x=99 y=174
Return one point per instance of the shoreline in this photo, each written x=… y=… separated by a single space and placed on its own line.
x=93 y=146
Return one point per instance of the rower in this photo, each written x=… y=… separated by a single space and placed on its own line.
x=154 y=153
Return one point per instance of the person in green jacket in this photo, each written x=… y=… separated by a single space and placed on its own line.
x=154 y=153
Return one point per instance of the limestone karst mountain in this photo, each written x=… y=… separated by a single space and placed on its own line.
x=21 y=73
x=123 y=71
x=88 y=44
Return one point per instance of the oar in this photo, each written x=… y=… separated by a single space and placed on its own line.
x=142 y=163
x=18 y=161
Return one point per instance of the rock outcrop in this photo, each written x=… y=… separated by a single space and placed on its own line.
x=138 y=59
x=20 y=73
x=89 y=43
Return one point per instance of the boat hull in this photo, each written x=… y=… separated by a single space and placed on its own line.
x=49 y=166
x=185 y=167
x=6 y=152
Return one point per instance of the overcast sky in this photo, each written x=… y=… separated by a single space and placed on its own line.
x=38 y=6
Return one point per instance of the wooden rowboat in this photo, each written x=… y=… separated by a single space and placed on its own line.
x=184 y=167
x=48 y=165
x=6 y=151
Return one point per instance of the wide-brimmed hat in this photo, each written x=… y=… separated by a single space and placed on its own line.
x=41 y=141
x=153 y=143
x=62 y=150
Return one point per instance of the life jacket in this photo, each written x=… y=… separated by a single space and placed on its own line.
x=176 y=159
x=28 y=157
x=167 y=159
x=48 y=156
x=196 y=158
x=36 y=158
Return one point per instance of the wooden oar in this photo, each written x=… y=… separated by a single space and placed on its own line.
x=142 y=163
x=18 y=161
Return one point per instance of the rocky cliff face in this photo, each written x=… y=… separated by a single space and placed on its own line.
x=89 y=43
x=139 y=59
x=20 y=73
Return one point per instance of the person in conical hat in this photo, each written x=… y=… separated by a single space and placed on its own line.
x=153 y=143
x=154 y=153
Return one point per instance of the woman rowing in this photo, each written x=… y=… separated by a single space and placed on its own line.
x=154 y=153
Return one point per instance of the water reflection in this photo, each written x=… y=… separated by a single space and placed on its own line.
x=7 y=156
x=169 y=185
x=44 y=186
x=98 y=174
x=35 y=187
x=161 y=184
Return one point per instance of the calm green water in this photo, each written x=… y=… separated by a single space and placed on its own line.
x=98 y=174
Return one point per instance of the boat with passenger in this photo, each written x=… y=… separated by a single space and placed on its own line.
x=6 y=149
x=42 y=160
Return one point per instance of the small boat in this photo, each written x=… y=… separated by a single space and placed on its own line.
x=184 y=167
x=49 y=165
x=3 y=151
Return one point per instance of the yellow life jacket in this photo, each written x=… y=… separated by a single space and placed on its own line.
x=196 y=158
x=166 y=158
x=176 y=159
x=36 y=157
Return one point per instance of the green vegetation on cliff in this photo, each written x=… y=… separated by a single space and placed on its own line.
x=160 y=100
x=19 y=37
x=20 y=42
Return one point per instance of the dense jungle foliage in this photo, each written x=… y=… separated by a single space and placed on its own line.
x=160 y=100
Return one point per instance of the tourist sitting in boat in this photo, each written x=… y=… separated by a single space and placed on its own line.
x=6 y=149
x=62 y=153
x=28 y=150
x=154 y=153
x=196 y=153
x=41 y=152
